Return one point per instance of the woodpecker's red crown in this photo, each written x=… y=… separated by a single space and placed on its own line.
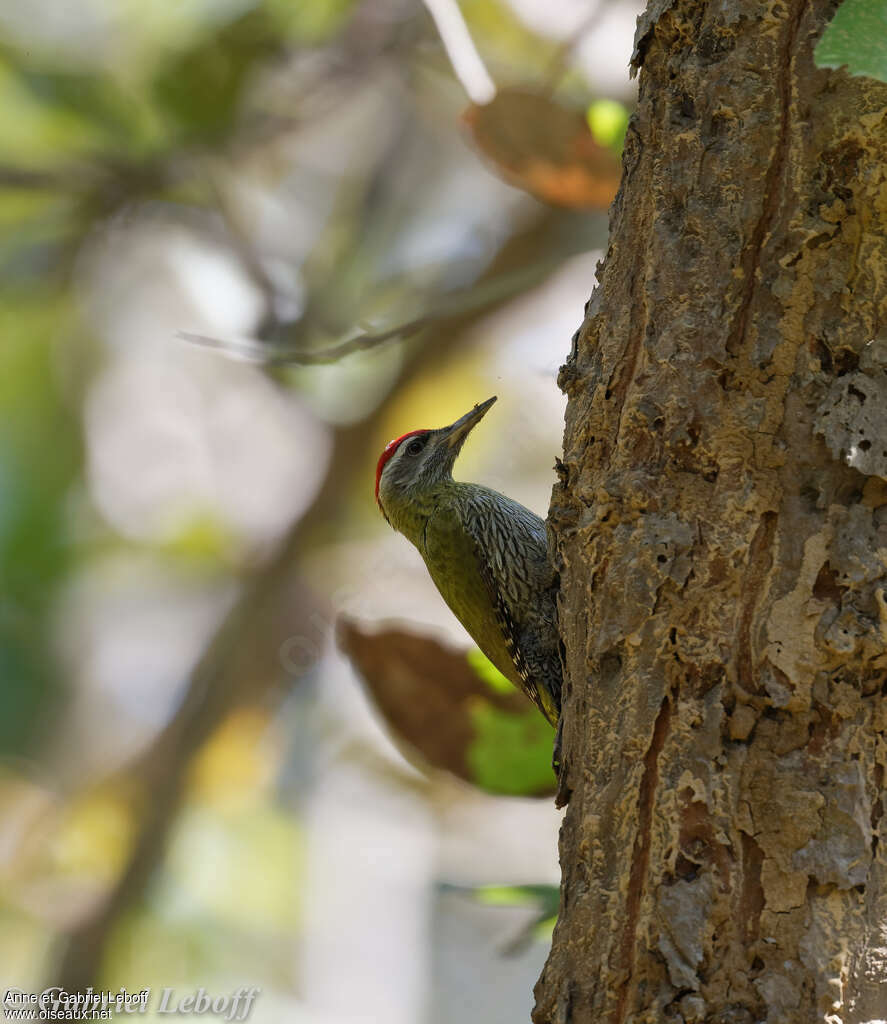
x=388 y=452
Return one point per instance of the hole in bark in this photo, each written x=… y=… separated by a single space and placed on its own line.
x=823 y=354
x=810 y=495
x=846 y=360
x=752 y=894
x=865 y=445
x=673 y=634
x=611 y=665
x=608 y=393
x=716 y=129
x=714 y=45
x=840 y=166
x=826 y=587
x=757 y=964
x=661 y=559
x=877 y=806
x=860 y=889
x=685 y=869
x=823 y=238
x=871 y=684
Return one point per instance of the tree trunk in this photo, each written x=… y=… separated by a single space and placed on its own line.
x=721 y=533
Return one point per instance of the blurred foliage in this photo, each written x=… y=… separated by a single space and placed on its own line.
x=544 y=900
x=856 y=38
x=39 y=462
x=213 y=913
x=197 y=91
x=311 y=151
x=507 y=42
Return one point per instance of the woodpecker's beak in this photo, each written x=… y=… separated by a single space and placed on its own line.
x=456 y=433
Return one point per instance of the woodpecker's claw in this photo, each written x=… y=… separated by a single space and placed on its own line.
x=562 y=797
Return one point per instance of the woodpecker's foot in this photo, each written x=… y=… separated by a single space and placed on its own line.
x=562 y=797
x=558 y=746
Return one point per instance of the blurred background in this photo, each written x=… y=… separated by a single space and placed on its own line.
x=245 y=243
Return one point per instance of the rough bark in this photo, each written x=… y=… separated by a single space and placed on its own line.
x=721 y=533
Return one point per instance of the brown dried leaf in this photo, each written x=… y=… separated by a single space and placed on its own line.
x=545 y=149
x=429 y=696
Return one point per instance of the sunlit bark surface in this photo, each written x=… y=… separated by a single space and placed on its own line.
x=721 y=533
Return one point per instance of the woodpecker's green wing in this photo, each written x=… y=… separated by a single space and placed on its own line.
x=503 y=592
x=512 y=553
x=510 y=635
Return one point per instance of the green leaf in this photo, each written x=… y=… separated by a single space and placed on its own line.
x=485 y=670
x=856 y=38
x=608 y=120
x=510 y=753
x=545 y=897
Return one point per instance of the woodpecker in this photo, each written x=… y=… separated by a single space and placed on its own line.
x=487 y=555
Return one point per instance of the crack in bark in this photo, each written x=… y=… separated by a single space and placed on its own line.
x=629 y=364
x=751 y=257
x=758 y=555
x=751 y=896
x=629 y=359
x=640 y=857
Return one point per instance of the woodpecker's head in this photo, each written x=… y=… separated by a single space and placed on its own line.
x=412 y=466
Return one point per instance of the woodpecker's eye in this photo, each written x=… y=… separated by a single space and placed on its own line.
x=415 y=446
